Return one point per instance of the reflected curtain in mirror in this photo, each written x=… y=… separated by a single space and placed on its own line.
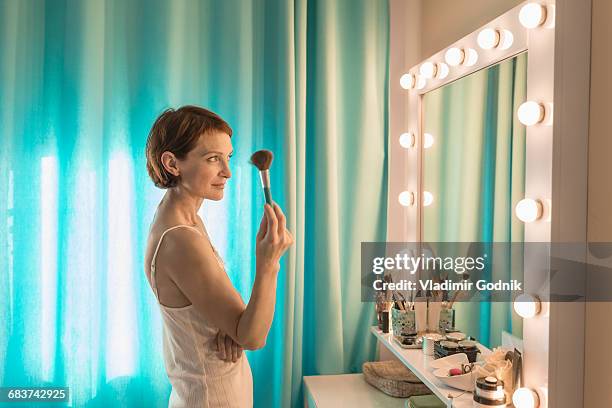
x=475 y=171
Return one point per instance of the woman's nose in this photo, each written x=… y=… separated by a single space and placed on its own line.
x=226 y=172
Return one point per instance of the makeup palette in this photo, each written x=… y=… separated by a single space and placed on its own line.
x=445 y=348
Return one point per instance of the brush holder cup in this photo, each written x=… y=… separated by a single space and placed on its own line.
x=403 y=322
x=447 y=321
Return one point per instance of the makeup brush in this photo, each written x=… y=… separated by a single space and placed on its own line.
x=262 y=159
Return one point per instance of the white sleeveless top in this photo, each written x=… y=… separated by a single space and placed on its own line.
x=198 y=376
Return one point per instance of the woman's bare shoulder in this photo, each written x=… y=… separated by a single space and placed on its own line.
x=176 y=237
x=180 y=241
x=163 y=221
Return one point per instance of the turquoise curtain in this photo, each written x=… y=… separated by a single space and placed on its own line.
x=475 y=171
x=81 y=82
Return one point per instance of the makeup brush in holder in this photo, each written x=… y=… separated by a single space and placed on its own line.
x=262 y=159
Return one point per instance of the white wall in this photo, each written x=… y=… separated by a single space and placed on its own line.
x=445 y=21
x=598 y=377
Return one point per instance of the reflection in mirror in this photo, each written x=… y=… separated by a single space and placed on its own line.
x=474 y=174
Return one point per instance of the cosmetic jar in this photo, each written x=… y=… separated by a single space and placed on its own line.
x=489 y=392
x=403 y=322
x=456 y=336
x=429 y=341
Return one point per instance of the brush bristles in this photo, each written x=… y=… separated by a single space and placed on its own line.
x=262 y=159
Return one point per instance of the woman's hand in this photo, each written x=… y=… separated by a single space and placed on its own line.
x=227 y=348
x=273 y=238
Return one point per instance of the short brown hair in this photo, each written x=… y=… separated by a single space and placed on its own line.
x=177 y=131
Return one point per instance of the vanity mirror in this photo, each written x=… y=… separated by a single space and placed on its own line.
x=473 y=161
x=473 y=173
x=473 y=156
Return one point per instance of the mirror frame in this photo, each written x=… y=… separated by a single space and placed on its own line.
x=564 y=372
x=539 y=43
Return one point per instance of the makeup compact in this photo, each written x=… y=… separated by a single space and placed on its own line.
x=467 y=344
x=489 y=392
x=445 y=348
x=456 y=336
x=409 y=342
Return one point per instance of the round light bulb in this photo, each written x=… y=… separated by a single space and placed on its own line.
x=407 y=81
x=406 y=198
x=529 y=210
x=454 y=56
x=406 y=140
x=443 y=71
x=420 y=82
x=532 y=15
x=530 y=113
x=472 y=57
x=506 y=40
x=488 y=38
x=525 y=398
x=428 y=69
x=527 y=306
x=428 y=140
x=427 y=198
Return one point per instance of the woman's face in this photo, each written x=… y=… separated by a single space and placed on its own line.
x=205 y=169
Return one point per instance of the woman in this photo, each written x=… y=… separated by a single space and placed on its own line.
x=206 y=324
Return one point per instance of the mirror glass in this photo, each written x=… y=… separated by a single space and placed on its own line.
x=473 y=174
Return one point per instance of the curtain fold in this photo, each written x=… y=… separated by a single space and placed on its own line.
x=81 y=82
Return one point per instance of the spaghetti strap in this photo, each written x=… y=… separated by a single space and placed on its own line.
x=153 y=281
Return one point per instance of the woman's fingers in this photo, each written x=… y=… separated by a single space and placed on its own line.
x=272 y=231
x=221 y=344
x=263 y=227
x=289 y=238
x=235 y=352
x=282 y=222
x=228 y=347
x=282 y=227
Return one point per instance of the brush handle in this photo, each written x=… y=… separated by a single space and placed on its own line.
x=268 y=195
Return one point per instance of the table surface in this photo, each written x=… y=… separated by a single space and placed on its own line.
x=418 y=363
x=346 y=390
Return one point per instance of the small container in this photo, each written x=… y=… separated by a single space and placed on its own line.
x=447 y=348
x=456 y=336
x=489 y=392
x=467 y=344
x=385 y=322
x=403 y=322
x=429 y=341
x=381 y=307
x=447 y=320
x=449 y=345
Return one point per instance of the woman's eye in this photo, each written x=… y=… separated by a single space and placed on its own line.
x=217 y=158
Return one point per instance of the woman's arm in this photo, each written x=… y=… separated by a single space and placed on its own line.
x=191 y=264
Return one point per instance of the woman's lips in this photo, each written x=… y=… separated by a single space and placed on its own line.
x=218 y=185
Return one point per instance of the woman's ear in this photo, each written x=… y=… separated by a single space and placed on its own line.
x=170 y=163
